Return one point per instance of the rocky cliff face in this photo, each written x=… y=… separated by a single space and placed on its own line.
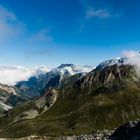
x=9 y=97
x=33 y=109
x=108 y=80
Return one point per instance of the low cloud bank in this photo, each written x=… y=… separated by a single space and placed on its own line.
x=10 y=75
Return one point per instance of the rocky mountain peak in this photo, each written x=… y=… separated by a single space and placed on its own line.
x=66 y=65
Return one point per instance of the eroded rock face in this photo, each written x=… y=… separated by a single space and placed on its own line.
x=39 y=106
x=47 y=100
x=109 y=74
x=107 y=80
x=129 y=131
x=9 y=98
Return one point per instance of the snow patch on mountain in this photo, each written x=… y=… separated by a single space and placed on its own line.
x=5 y=106
x=128 y=57
x=9 y=89
x=118 y=61
x=71 y=69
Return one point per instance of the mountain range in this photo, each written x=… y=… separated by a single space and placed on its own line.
x=42 y=79
x=72 y=100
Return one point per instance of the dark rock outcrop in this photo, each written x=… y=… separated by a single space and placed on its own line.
x=128 y=131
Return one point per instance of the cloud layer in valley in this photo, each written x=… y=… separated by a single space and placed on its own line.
x=10 y=75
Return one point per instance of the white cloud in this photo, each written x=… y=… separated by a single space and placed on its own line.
x=42 y=35
x=10 y=75
x=130 y=54
x=10 y=26
x=133 y=58
x=99 y=13
x=91 y=12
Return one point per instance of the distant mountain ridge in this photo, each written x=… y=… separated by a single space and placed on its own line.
x=37 y=84
x=42 y=79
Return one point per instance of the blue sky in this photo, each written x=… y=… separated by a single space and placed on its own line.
x=51 y=32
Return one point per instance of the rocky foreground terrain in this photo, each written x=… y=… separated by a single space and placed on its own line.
x=128 y=131
x=95 y=135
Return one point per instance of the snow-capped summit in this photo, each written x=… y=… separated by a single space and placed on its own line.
x=84 y=69
x=118 y=61
x=129 y=57
x=66 y=65
x=71 y=69
x=52 y=78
